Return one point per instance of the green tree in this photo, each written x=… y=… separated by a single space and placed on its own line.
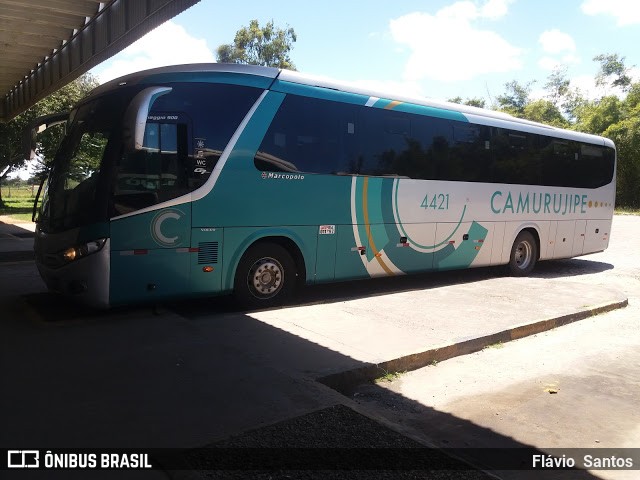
x=626 y=136
x=268 y=46
x=472 y=102
x=609 y=116
x=613 y=72
x=544 y=111
x=625 y=133
x=618 y=120
x=11 y=157
x=11 y=152
x=515 y=98
x=632 y=101
x=557 y=85
x=597 y=116
x=560 y=93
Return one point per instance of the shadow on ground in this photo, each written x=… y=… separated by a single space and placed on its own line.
x=344 y=291
x=204 y=376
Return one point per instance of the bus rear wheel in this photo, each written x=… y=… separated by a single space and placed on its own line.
x=524 y=254
x=266 y=276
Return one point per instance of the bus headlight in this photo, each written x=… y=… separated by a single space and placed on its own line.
x=80 y=251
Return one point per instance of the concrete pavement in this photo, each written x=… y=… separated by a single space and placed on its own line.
x=16 y=240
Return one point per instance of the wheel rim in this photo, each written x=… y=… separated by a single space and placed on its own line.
x=523 y=255
x=265 y=278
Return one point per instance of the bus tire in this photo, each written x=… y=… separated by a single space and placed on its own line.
x=265 y=277
x=524 y=254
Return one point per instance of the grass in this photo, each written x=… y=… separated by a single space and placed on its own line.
x=494 y=345
x=18 y=202
x=389 y=376
x=627 y=211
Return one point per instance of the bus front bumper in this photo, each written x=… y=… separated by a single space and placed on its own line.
x=85 y=279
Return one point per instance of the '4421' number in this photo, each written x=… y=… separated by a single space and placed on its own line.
x=438 y=201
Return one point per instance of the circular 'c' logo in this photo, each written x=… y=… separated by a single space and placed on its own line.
x=161 y=228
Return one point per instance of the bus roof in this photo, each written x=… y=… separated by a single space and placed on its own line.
x=473 y=114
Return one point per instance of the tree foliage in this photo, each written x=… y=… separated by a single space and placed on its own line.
x=613 y=116
x=268 y=46
x=11 y=154
x=613 y=72
x=560 y=93
x=515 y=98
x=557 y=86
x=596 y=117
x=626 y=135
x=545 y=111
x=472 y=102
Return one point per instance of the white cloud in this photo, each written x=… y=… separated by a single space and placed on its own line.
x=492 y=9
x=569 y=59
x=626 y=12
x=447 y=47
x=587 y=86
x=496 y=8
x=169 y=44
x=549 y=63
x=554 y=41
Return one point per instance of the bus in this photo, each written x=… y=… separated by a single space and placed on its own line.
x=207 y=179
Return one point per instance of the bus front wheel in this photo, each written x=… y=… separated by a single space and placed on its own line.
x=524 y=254
x=266 y=276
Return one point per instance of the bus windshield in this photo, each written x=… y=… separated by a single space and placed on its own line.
x=74 y=194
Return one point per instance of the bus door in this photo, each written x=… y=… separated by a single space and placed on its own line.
x=151 y=214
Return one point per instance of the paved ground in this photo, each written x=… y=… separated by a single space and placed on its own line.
x=16 y=240
x=574 y=387
x=194 y=373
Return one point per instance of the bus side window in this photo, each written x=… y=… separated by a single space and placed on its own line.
x=596 y=166
x=402 y=144
x=560 y=161
x=308 y=135
x=515 y=157
x=431 y=148
x=470 y=157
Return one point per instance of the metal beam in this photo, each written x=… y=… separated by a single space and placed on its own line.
x=117 y=25
x=68 y=7
x=44 y=15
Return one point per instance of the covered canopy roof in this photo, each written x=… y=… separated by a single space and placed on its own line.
x=45 y=44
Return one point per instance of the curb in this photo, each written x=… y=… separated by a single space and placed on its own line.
x=344 y=382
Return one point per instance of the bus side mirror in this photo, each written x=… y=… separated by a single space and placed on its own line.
x=135 y=118
x=39 y=125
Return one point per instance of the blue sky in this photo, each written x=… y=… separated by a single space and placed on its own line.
x=434 y=48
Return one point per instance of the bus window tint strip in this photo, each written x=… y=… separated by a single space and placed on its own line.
x=311 y=135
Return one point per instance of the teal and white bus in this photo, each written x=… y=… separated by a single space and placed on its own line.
x=211 y=179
